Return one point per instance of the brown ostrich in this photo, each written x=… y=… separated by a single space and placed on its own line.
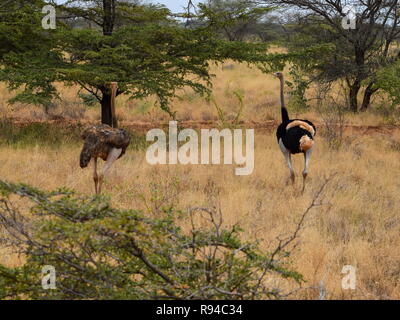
x=105 y=142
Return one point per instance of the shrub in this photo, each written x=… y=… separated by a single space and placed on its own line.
x=100 y=252
x=333 y=116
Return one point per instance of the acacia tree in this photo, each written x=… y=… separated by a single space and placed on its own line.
x=235 y=20
x=356 y=55
x=139 y=46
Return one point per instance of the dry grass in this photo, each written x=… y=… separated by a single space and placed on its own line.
x=357 y=224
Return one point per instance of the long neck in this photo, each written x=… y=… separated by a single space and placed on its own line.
x=282 y=94
x=284 y=112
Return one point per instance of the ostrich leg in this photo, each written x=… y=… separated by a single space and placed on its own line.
x=307 y=157
x=95 y=176
x=111 y=158
x=288 y=158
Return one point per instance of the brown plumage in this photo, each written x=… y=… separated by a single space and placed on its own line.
x=105 y=142
x=99 y=140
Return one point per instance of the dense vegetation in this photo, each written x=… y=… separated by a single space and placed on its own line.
x=100 y=252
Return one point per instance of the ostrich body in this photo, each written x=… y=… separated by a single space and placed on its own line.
x=105 y=142
x=294 y=136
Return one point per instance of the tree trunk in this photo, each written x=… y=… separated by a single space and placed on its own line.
x=113 y=88
x=369 y=91
x=356 y=85
x=107 y=101
x=106 y=115
x=108 y=17
x=354 y=89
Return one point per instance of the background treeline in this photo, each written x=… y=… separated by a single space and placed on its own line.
x=149 y=50
x=321 y=49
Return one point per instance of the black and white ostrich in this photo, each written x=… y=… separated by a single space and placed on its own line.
x=105 y=142
x=294 y=136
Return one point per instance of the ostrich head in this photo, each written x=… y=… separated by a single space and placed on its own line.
x=279 y=75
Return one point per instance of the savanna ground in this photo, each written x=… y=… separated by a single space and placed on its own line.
x=356 y=222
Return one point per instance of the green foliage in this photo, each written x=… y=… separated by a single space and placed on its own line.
x=100 y=252
x=26 y=53
x=233 y=19
x=388 y=80
x=306 y=58
x=297 y=89
x=148 y=53
x=356 y=55
x=320 y=43
x=88 y=99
